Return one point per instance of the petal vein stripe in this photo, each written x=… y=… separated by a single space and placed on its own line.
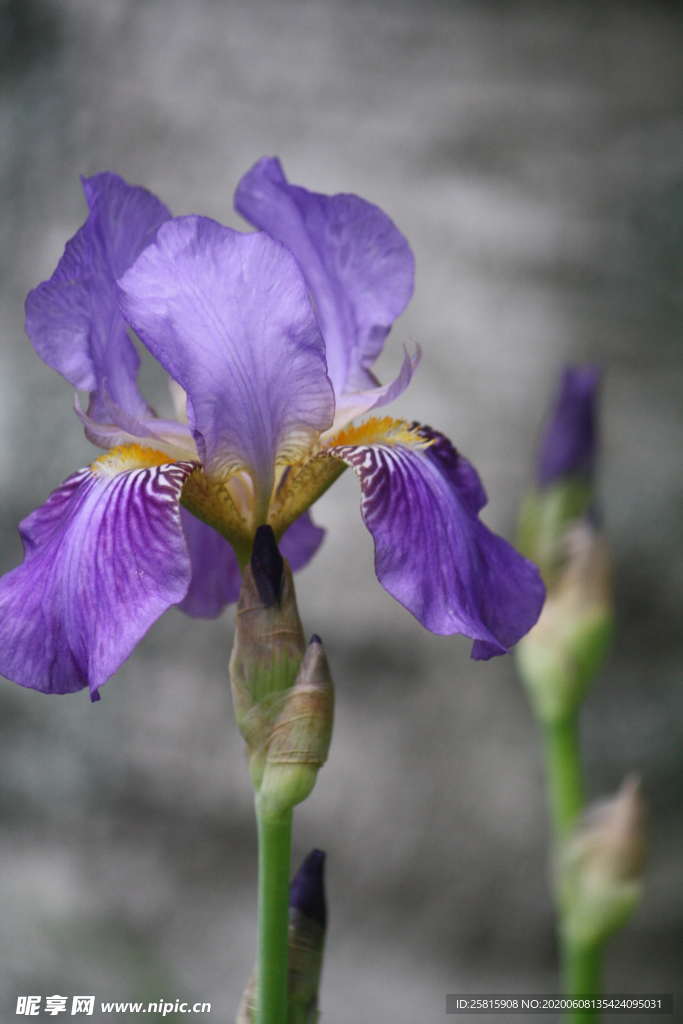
x=420 y=501
x=105 y=556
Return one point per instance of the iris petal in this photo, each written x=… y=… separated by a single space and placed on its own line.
x=432 y=553
x=301 y=541
x=216 y=578
x=103 y=558
x=229 y=318
x=356 y=403
x=73 y=320
x=357 y=264
x=116 y=428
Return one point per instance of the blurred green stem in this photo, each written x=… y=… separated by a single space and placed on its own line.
x=563 y=773
x=580 y=964
x=300 y=1015
x=274 y=858
x=581 y=974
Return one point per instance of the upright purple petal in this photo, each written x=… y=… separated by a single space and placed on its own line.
x=103 y=558
x=228 y=316
x=357 y=264
x=432 y=553
x=568 y=444
x=73 y=320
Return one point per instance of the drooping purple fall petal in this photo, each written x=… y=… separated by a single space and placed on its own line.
x=104 y=557
x=73 y=320
x=432 y=553
x=357 y=264
x=228 y=316
x=569 y=440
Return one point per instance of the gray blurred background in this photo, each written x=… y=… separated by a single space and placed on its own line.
x=533 y=155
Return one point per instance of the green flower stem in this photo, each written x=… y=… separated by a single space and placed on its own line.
x=580 y=964
x=299 y=1015
x=274 y=859
x=581 y=968
x=563 y=774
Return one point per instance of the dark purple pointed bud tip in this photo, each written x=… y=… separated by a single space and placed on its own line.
x=267 y=566
x=307 y=889
x=95 y=695
x=569 y=439
x=315 y=639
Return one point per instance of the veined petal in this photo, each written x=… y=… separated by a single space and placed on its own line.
x=103 y=558
x=73 y=320
x=357 y=264
x=116 y=428
x=420 y=502
x=228 y=316
x=216 y=575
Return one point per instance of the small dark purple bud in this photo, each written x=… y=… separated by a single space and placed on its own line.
x=569 y=440
x=267 y=566
x=307 y=889
x=315 y=639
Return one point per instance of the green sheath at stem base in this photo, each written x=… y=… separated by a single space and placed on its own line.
x=274 y=855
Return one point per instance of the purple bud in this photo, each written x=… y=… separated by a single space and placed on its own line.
x=267 y=566
x=568 y=443
x=307 y=889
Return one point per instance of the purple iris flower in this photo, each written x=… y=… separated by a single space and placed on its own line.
x=569 y=441
x=268 y=339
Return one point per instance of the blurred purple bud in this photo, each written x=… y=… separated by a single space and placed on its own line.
x=307 y=889
x=569 y=439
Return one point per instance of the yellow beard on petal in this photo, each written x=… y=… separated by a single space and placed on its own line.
x=126 y=457
x=302 y=484
x=210 y=499
x=381 y=430
x=306 y=481
x=219 y=502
